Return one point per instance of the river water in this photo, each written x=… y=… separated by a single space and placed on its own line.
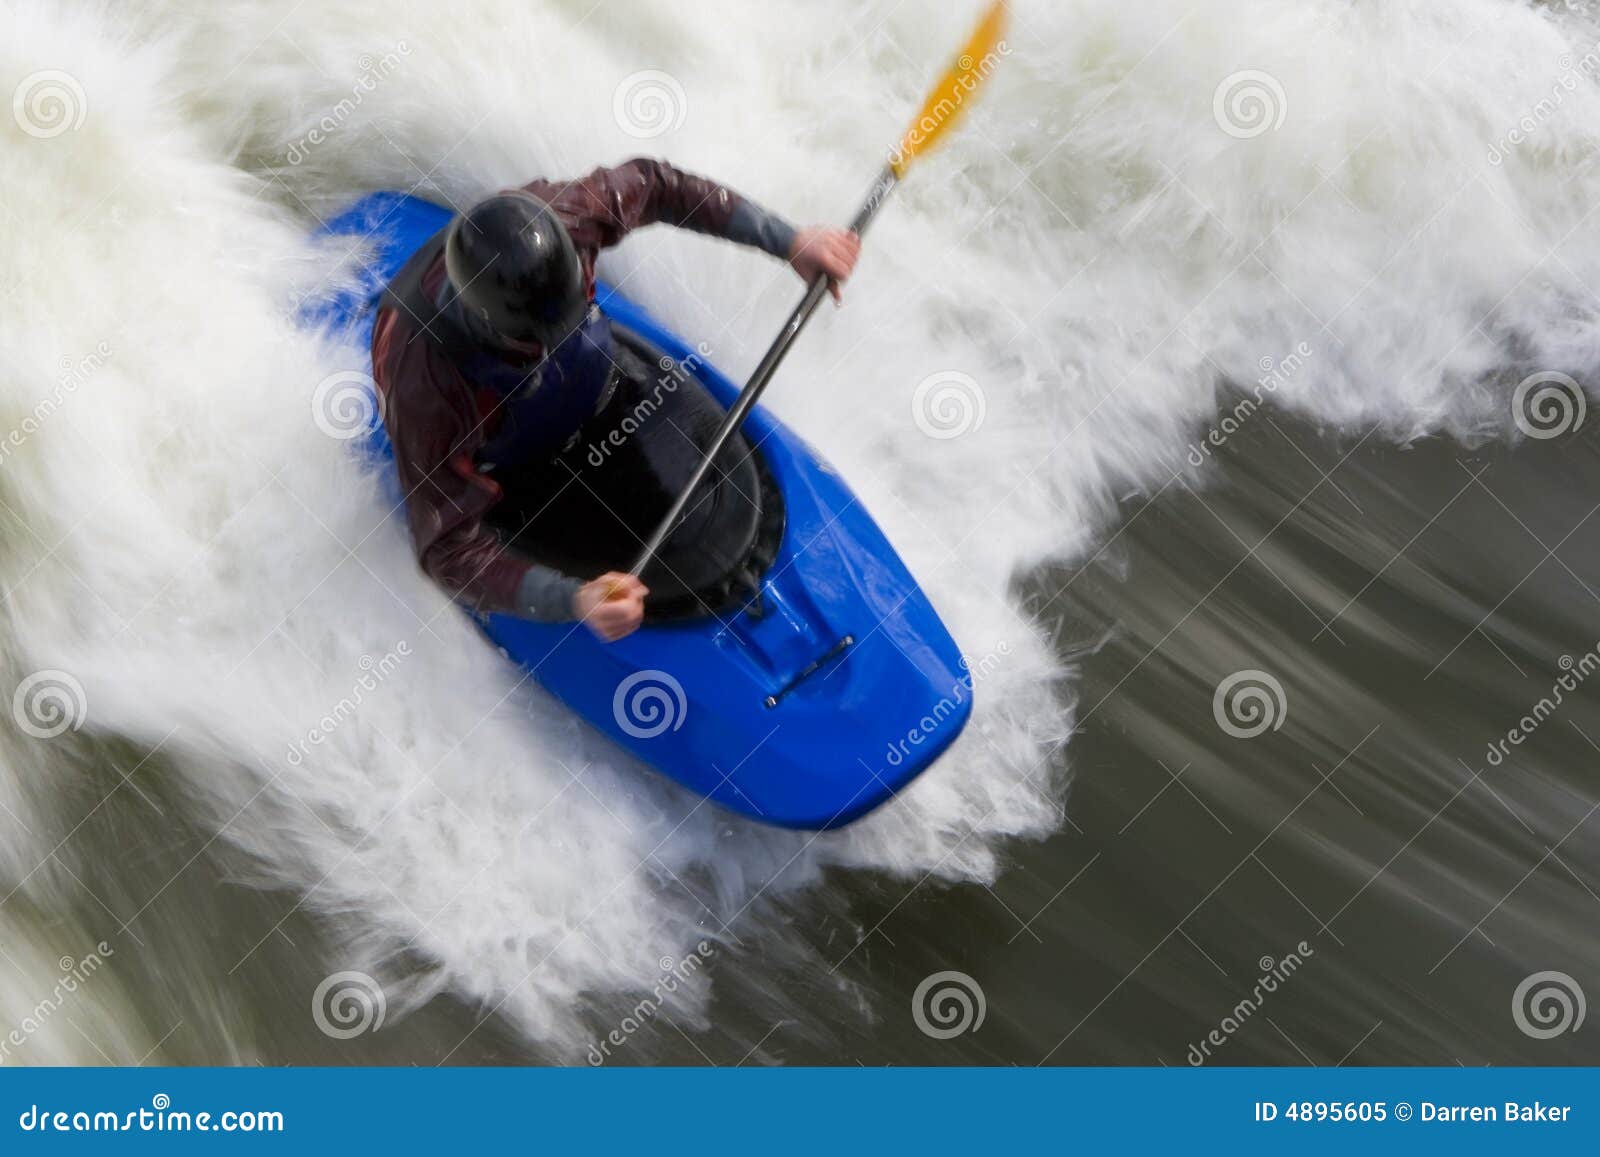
x=1268 y=764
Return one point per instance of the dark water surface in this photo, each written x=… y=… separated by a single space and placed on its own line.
x=1413 y=605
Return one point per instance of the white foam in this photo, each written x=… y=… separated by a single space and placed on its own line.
x=1092 y=250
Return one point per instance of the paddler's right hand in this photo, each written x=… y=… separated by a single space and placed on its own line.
x=612 y=606
x=823 y=250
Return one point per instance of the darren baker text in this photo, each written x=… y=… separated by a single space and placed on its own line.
x=1511 y=1111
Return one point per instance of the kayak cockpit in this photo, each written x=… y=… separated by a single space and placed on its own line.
x=589 y=509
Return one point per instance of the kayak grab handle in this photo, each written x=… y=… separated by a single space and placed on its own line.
x=811 y=669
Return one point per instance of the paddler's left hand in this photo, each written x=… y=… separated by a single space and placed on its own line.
x=612 y=606
x=825 y=249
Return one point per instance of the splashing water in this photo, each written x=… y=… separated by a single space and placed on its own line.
x=1151 y=200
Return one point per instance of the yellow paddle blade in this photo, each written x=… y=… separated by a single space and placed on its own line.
x=946 y=100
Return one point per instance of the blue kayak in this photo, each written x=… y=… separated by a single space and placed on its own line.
x=790 y=668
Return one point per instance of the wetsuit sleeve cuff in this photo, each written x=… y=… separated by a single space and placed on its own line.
x=753 y=225
x=545 y=595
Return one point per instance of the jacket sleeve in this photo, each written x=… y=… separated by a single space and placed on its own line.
x=434 y=429
x=608 y=204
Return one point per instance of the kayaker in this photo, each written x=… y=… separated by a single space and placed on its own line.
x=488 y=351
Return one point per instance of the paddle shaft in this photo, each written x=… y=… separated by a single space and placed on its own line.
x=763 y=374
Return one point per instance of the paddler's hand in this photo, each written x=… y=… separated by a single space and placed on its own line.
x=612 y=606
x=825 y=249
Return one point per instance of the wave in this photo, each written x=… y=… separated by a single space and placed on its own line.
x=1153 y=207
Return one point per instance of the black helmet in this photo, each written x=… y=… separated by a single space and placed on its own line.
x=516 y=271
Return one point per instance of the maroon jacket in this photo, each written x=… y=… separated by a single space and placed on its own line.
x=432 y=413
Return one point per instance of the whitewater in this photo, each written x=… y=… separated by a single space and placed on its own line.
x=1151 y=205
